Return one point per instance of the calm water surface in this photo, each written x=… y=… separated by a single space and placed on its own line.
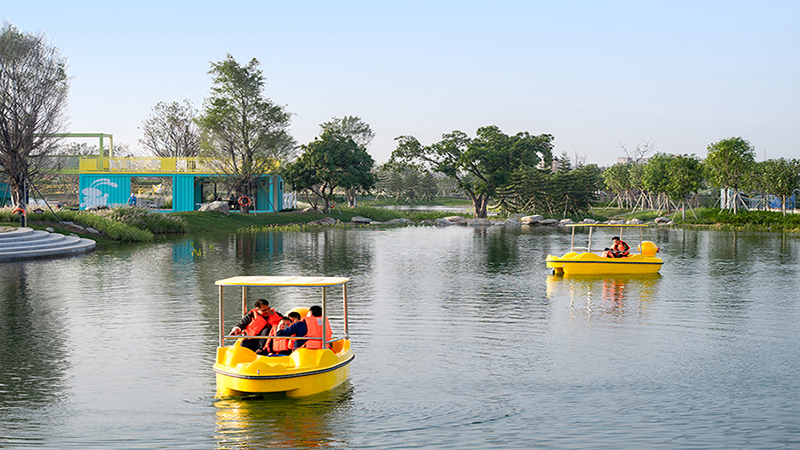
x=462 y=340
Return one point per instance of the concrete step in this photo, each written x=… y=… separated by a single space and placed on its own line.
x=34 y=235
x=26 y=243
x=16 y=233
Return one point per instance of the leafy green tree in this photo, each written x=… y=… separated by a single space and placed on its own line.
x=617 y=178
x=246 y=133
x=728 y=165
x=33 y=102
x=171 y=130
x=563 y=163
x=479 y=165
x=559 y=193
x=360 y=132
x=332 y=161
x=685 y=178
x=656 y=177
x=353 y=127
x=427 y=187
x=782 y=178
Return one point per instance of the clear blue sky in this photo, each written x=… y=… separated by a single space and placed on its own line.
x=682 y=74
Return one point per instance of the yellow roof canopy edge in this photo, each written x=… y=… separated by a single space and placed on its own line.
x=282 y=281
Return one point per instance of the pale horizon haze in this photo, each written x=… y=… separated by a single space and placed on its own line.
x=595 y=75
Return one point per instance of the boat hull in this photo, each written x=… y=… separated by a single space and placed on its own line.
x=585 y=263
x=305 y=372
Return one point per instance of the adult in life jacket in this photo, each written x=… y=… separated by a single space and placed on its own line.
x=257 y=322
x=310 y=326
x=619 y=249
x=278 y=346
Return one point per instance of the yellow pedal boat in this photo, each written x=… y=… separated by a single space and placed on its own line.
x=306 y=371
x=589 y=263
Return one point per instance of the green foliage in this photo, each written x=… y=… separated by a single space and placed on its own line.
x=241 y=130
x=617 y=177
x=746 y=220
x=685 y=176
x=729 y=162
x=331 y=161
x=408 y=185
x=479 y=165
x=655 y=175
x=554 y=194
x=110 y=228
x=171 y=131
x=782 y=178
x=156 y=223
x=33 y=102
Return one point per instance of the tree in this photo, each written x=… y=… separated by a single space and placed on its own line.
x=352 y=127
x=332 y=161
x=244 y=132
x=782 y=178
x=656 y=177
x=617 y=178
x=479 y=165
x=728 y=164
x=33 y=100
x=356 y=129
x=559 y=193
x=171 y=131
x=685 y=178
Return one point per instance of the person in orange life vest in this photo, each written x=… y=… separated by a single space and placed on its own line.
x=619 y=249
x=257 y=322
x=295 y=316
x=278 y=346
x=310 y=326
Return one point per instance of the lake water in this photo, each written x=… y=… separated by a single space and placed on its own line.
x=462 y=339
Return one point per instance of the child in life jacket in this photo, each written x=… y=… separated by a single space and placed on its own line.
x=278 y=346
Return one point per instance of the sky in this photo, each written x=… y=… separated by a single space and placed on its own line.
x=600 y=76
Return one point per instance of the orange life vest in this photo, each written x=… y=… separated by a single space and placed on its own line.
x=279 y=345
x=274 y=318
x=256 y=325
x=621 y=248
x=314 y=327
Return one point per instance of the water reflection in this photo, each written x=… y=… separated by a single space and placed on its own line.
x=33 y=346
x=276 y=421
x=610 y=295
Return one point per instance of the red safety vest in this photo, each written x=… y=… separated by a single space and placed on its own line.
x=314 y=327
x=622 y=248
x=274 y=318
x=278 y=345
x=256 y=325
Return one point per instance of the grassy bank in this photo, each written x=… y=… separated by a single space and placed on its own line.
x=140 y=225
x=198 y=222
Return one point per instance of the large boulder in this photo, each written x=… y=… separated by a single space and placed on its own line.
x=457 y=219
x=444 y=223
x=512 y=222
x=531 y=220
x=361 y=220
x=587 y=220
x=479 y=223
x=325 y=221
x=662 y=219
x=220 y=207
x=634 y=221
x=566 y=221
x=549 y=222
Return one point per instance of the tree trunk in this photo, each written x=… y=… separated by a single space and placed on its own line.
x=479 y=202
